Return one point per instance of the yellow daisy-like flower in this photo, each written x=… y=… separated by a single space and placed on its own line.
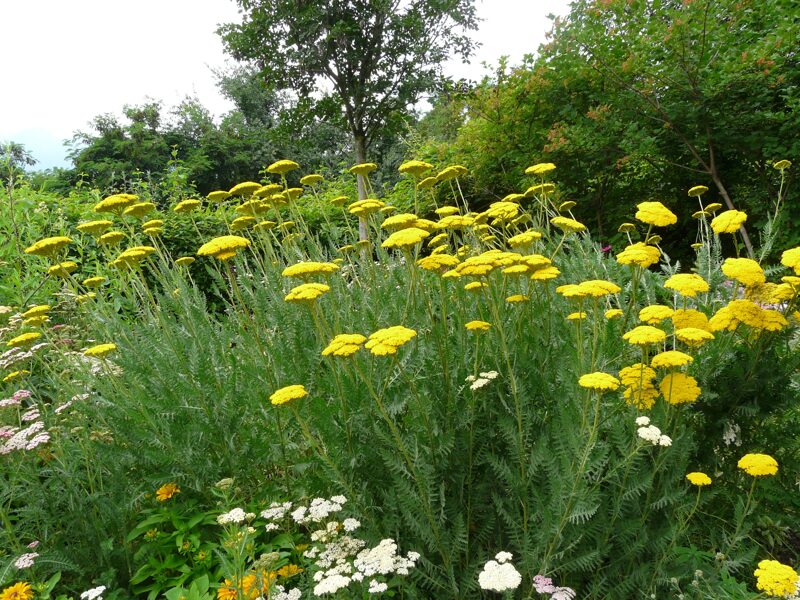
x=306 y=292
x=567 y=225
x=218 y=195
x=100 y=350
x=599 y=381
x=405 y=238
x=697 y=191
x=167 y=491
x=524 y=239
x=728 y=221
x=670 y=359
x=304 y=270
x=613 y=313
x=281 y=167
x=287 y=394
x=62 y=269
x=542 y=189
x=597 y=288
x=679 y=388
x=240 y=223
x=427 y=183
x=94 y=282
x=791 y=258
x=758 y=465
x=186 y=206
x=415 y=168
x=400 y=221
x=344 y=344
x=644 y=335
x=16 y=375
x=782 y=164
x=139 y=209
x=656 y=214
x=48 y=246
x=446 y=211
x=437 y=262
x=655 y=313
x=699 y=479
x=639 y=254
x=25 y=339
x=546 y=274
x=451 y=172
x=94 y=227
x=19 y=591
x=693 y=336
x=478 y=326
x=111 y=238
x=36 y=321
x=687 y=284
x=36 y=311
x=387 y=341
x=223 y=247
x=312 y=179
x=540 y=169
x=744 y=270
x=774 y=578
x=363 y=169
x=116 y=203
x=365 y=207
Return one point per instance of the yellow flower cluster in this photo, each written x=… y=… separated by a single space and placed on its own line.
x=116 y=203
x=306 y=292
x=48 y=246
x=749 y=313
x=744 y=270
x=776 y=579
x=100 y=350
x=679 y=388
x=223 y=247
x=758 y=465
x=644 y=335
x=387 y=341
x=640 y=255
x=687 y=284
x=405 y=238
x=656 y=214
x=639 y=382
x=281 y=167
x=167 y=491
x=602 y=382
x=670 y=359
x=655 y=313
x=478 y=326
x=699 y=479
x=287 y=394
x=24 y=339
x=344 y=344
x=415 y=168
x=728 y=221
x=306 y=269
x=94 y=227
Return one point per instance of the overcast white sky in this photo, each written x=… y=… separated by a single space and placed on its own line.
x=66 y=61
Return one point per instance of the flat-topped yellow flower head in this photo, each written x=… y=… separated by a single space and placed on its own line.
x=281 y=167
x=224 y=247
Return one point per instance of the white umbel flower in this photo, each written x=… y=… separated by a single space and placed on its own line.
x=499 y=577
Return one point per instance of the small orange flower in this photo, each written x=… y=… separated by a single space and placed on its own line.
x=167 y=491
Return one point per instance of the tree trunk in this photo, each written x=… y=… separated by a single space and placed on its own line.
x=360 y=143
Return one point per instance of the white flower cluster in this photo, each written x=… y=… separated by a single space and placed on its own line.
x=280 y=593
x=236 y=516
x=651 y=433
x=15 y=399
x=319 y=510
x=383 y=559
x=11 y=357
x=731 y=434
x=544 y=585
x=26 y=560
x=94 y=593
x=499 y=575
x=485 y=378
x=28 y=438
